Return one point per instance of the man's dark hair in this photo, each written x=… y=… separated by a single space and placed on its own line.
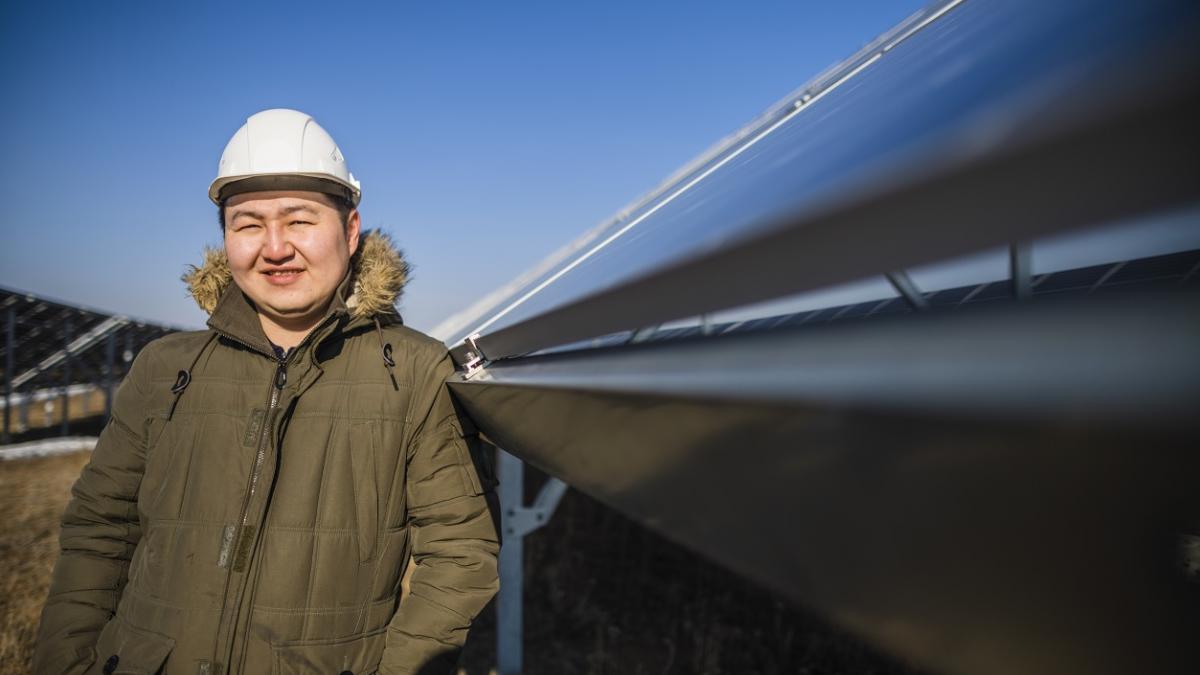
x=338 y=202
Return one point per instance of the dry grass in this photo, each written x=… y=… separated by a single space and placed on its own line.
x=33 y=494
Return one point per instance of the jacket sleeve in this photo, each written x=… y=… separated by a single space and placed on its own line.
x=100 y=529
x=454 y=540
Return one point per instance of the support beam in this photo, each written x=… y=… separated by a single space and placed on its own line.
x=517 y=521
x=66 y=378
x=908 y=290
x=10 y=330
x=1125 y=359
x=509 y=616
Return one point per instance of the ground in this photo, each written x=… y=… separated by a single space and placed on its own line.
x=33 y=494
x=603 y=596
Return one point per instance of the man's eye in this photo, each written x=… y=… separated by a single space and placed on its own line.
x=246 y=226
x=301 y=222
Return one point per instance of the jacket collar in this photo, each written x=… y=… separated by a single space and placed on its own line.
x=368 y=292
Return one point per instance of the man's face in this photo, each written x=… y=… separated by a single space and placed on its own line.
x=288 y=252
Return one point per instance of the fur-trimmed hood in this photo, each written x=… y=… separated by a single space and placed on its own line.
x=379 y=272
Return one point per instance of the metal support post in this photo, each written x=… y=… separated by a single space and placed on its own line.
x=512 y=555
x=10 y=340
x=517 y=521
x=110 y=358
x=66 y=380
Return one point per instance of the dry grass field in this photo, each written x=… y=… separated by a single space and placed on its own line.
x=33 y=494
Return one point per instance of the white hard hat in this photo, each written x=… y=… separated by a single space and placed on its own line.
x=283 y=149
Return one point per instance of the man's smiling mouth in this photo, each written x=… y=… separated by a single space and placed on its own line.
x=282 y=276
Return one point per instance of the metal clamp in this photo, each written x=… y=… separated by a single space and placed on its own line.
x=474 y=357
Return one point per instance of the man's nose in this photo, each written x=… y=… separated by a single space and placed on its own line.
x=277 y=246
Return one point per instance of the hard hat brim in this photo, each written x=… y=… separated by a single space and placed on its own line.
x=228 y=186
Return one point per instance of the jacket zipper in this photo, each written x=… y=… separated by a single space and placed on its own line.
x=277 y=386
x=239 y=537
x=278 y=380
x=245 y=532
x=242 y=554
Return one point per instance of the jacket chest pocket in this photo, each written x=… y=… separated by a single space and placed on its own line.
x=168 y=463
x=377 y=473
x=194 y=462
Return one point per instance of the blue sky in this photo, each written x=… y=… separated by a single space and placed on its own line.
x=486 y=135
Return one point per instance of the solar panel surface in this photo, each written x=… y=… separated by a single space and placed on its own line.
x=963 y=84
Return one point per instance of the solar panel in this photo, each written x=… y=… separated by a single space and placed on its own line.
x=971 y=468
x=964 y=83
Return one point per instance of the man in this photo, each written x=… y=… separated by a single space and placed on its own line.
x=254 y=500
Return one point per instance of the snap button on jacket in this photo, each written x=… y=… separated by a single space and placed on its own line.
x=257 y=515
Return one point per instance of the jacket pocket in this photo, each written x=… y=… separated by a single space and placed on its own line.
x=359 y=655
x=366 y=487
x=123 y=649
x=168 y=460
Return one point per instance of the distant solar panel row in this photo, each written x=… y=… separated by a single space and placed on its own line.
x=49 y=337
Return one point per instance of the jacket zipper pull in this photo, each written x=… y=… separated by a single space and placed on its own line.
x=280 y=375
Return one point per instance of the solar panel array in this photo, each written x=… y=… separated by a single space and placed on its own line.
x=48 y=344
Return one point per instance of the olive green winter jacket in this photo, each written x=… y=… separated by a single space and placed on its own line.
x=243 y=514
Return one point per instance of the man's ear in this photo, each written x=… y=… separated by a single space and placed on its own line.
x=353 y=230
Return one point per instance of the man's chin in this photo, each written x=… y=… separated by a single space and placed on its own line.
x=284 y=306
x=290 y=316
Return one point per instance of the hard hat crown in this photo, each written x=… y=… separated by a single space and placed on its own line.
x=282 y=149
